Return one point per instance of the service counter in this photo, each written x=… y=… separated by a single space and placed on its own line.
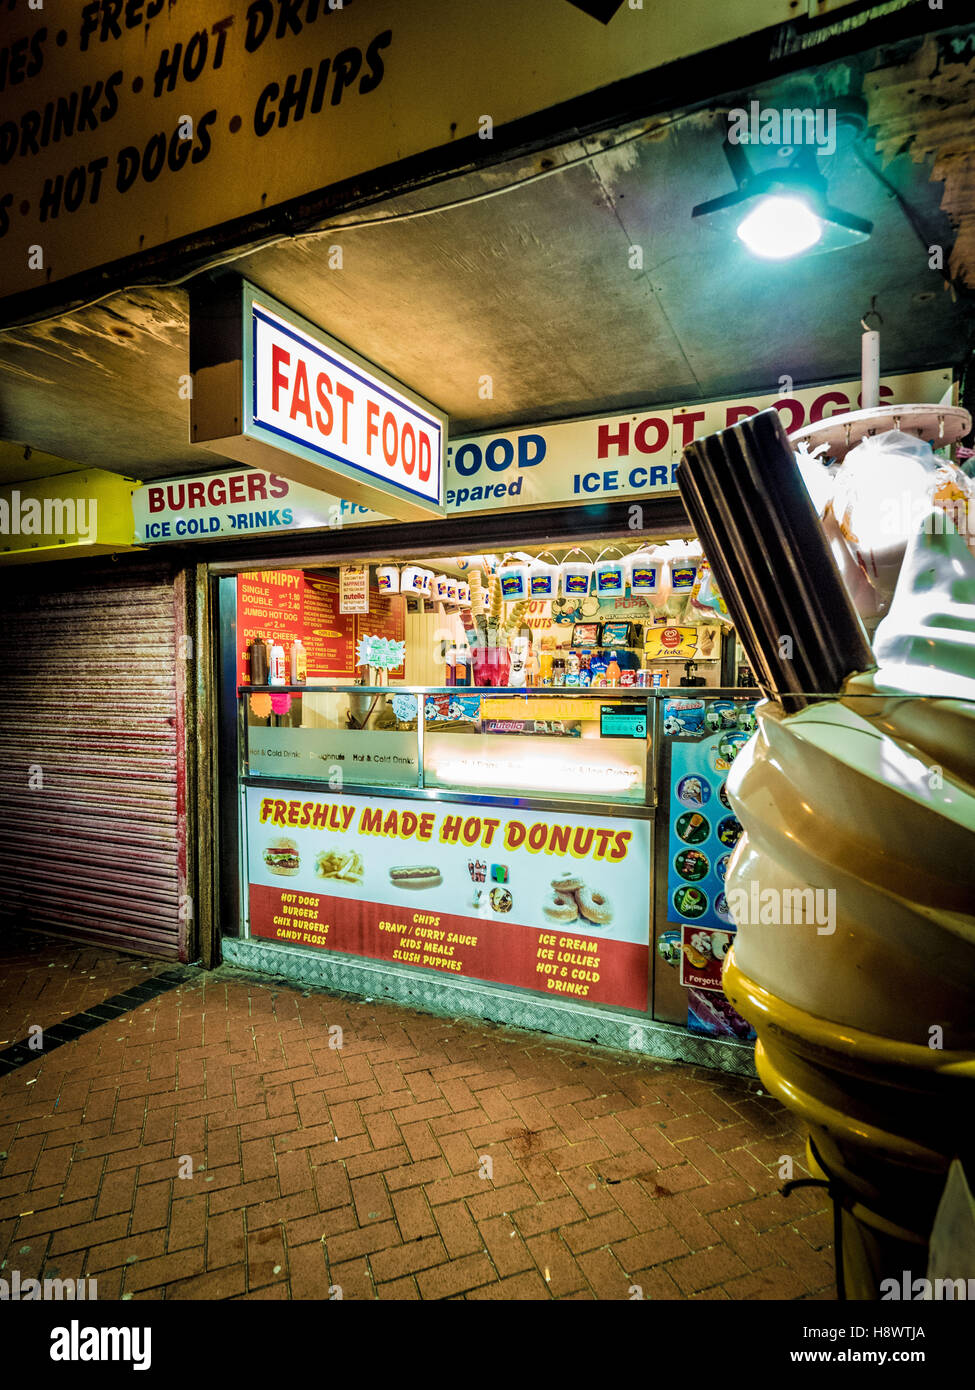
x=492 y=852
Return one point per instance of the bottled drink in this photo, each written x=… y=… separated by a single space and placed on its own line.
x=613 y=670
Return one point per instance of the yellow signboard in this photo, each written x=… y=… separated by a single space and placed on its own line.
x=127 y=124
x=74 y=514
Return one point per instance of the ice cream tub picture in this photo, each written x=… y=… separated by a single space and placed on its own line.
x=513 y=579
x=413 y=580
x=387 y=579
x=644 y=574
x=682 y=578
x=693 y=791
x=610 y=576
x=702 y=957
x=543 y=579
x=576 y=576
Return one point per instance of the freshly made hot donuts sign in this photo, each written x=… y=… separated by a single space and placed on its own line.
x=559 y=904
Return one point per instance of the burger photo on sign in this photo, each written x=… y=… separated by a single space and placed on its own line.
x=281 y=857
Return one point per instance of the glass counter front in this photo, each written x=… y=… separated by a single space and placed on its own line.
x=593 y=747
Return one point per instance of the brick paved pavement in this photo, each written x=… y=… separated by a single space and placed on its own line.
x=364 y=1166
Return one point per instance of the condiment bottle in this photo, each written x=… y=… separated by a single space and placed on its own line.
x=299 y=663
x=257 y=661
x=278 y=675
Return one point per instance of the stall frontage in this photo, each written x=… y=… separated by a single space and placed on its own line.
x=480 y=826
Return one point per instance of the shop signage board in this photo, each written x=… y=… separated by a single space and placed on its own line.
x=290 y=603
x=546 y=465
x=606 y=458
x=70 y=515
x=126 y=125
x=460 y=889
x=706 y=735
x=354 y=589
x=273 y=390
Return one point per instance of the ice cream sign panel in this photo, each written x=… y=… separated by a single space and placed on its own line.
x=276 y=392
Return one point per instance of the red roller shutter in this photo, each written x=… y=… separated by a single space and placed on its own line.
x=92 y=752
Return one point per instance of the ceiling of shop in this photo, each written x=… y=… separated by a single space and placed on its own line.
x=527 y=278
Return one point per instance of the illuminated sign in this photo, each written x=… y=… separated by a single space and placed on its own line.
x=273 y=391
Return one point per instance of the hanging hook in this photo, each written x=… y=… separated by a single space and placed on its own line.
x=872 y=312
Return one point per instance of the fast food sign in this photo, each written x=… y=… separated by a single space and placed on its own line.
x=274 y=391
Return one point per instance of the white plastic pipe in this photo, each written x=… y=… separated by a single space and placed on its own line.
x=869 y=370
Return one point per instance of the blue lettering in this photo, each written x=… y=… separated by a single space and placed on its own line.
x=287 y=517
x=638 y=477
x=524 y=440
x=658 y=475
x=463 y=467
x=507 y=451
x=611 y=481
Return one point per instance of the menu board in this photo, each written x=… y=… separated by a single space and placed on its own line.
x=706 y=735
x=555 y=903
x=292 y=603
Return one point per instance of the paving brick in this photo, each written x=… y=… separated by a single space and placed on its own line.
x=188 y=1222
x=600 y=1230
x=371 y=1199
x=548 y=1216
x=378 y=1235
x=166 y=1269
x=649 y=1248
x=225 y=1239
x=413 y=1214
x=459 y=1233
x=705 y=1269
x=407 y=1259
x=266 y=1260
x=456 y=1277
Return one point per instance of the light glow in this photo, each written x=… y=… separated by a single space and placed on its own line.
x=780 y=227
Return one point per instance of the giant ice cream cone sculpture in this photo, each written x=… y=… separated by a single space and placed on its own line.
x=853 y=886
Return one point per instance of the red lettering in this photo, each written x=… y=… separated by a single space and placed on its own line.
x=300 y=399
x=389 y=454
x=155 y=498
x=604 y=440
x=217 y=492
x=279 y=486
x=734 y=413
x=195 y=495
x=408 y=434
x=372 y=429
x=426 y=458
x=278 y=378
x=640 y=435
x=322 y=385
x=346 y=395
x=237 y=493
x=687 y=423
x=816 y=410
x=797 y=414
x=256 y=487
